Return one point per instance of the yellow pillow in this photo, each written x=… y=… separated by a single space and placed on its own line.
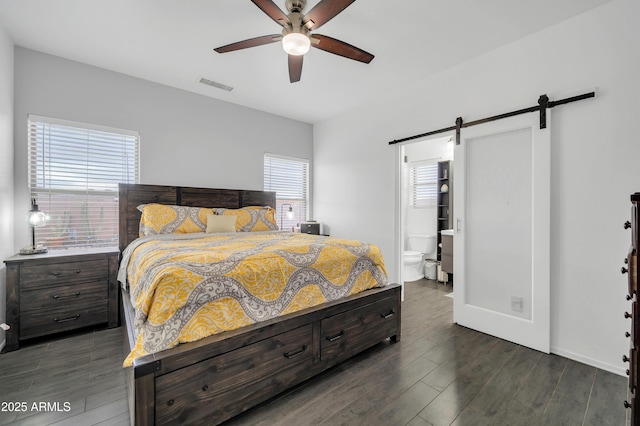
x=252 y=218
x=216 y=223
x=164 y=219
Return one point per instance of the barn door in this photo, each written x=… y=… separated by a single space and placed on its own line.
x=502 y=230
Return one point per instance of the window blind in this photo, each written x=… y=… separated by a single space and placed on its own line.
x=289 y=179
x=423 y=179
x=74 y=171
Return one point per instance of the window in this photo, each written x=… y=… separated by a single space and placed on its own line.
x=74 y=171
x=423 y=181
x=289 y=178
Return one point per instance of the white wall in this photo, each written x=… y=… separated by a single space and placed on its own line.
x=6 y=165
x=186 y=139
x=595 y=153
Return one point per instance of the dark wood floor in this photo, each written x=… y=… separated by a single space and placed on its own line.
x=439 y=374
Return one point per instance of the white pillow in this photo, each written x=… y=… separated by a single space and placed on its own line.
x=218 y=223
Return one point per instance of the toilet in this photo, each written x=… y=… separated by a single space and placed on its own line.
x=413 y=258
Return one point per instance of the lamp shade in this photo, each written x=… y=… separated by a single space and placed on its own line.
x=296 y=44
x=35 y=217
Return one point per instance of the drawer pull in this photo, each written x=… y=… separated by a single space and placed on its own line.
x=389 y=315
x=57 y=274
x=627 y=405
x=73 y=318
x=290 y=355
x=627 y=315
x=71 y=296
x=627 y=225
x=336 y=337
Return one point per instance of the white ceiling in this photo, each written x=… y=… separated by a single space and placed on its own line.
x=172 y=41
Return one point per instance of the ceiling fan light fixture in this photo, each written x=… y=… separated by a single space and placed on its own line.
x=296 y=44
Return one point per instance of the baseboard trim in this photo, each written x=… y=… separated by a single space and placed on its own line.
x=620 y=371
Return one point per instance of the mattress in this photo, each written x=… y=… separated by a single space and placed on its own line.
x=184 y=287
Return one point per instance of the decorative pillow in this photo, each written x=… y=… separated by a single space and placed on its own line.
x=216 y=223
x=164 y=219
x=252 y=218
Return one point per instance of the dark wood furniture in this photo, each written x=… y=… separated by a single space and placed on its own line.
x=631 y=268
x=60 y=291
x=444 y=201
x=447 y=254
x=444 y=250
x=218 y=377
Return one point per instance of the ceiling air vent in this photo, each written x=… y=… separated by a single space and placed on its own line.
x=215 y=84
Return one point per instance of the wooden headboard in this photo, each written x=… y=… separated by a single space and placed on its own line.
x=132 y=195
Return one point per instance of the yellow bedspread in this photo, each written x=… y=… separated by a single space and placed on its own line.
x=188 y=287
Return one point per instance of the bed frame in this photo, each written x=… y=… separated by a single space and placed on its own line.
x=218 y=377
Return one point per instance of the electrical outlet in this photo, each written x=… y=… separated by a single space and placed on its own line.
x=517 y=304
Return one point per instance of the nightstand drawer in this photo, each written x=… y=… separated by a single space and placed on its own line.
x=64 y=296
x=41 y=323
x=48 y=275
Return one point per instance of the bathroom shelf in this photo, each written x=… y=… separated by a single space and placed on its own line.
x=444 y=201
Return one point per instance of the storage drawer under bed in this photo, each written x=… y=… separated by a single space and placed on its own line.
x=234 y=381
x=344 y=335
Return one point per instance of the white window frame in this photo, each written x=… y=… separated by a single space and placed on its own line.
x=72 y=163
x=423 y=183
x=297 y=195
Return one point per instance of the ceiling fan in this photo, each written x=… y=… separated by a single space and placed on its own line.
x=296 y=33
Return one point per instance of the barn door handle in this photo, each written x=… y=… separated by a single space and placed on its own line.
x=336 y=337
x=290 y=355
x=389 y=315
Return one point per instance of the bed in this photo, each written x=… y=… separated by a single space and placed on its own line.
x=210 y=380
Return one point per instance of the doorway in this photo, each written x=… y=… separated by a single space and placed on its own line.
x=419 y=212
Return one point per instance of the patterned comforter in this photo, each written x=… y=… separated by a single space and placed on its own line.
x=188 y=286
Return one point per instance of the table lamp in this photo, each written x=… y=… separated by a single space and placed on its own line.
x=289 y=212
x=35 y=218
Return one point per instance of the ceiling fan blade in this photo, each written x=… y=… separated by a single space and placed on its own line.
x=273 y=11
x=252 y=42
x=295 y=67
x=337 y=47
x=323 y=12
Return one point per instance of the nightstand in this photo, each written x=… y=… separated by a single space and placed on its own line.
x=60 y=291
